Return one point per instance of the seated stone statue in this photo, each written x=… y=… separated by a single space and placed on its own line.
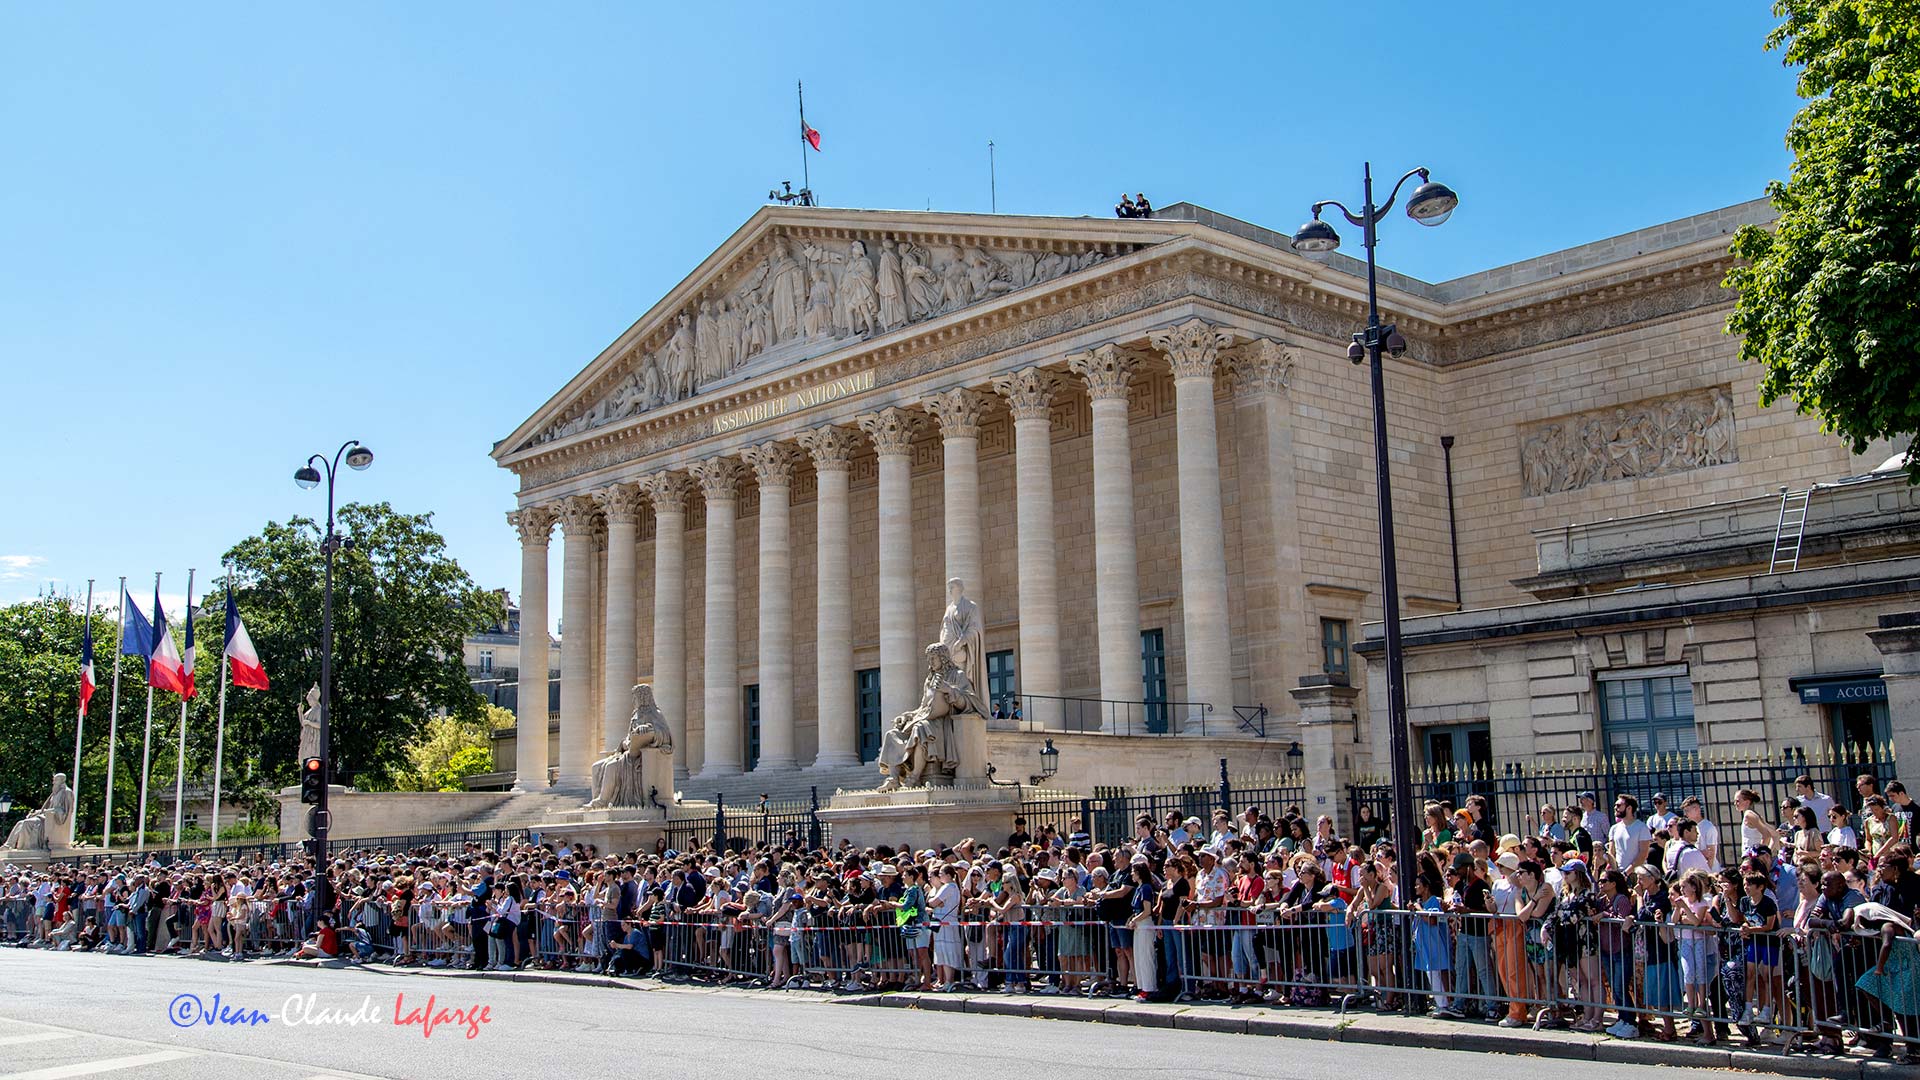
x=923 y=746
x=617 y=778
x=47 y=826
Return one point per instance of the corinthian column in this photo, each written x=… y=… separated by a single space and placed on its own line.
x=832 y=450
x=719 y=483
x=1116 y=580
x=669 y=494
x=578 y=519
x=1191 y=348
x=773 y=467
x=958 y=411
x=1273 y=603
x=535 y=525
x=1029 y=395
x=892 y=433
x=621 y=506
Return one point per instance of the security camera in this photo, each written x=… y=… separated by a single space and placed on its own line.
x=1396 y=344
x=1356 y=350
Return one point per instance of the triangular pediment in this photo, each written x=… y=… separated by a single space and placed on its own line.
x=793 y=284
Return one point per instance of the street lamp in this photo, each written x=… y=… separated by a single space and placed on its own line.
x=1430 y=204
x=358 y=457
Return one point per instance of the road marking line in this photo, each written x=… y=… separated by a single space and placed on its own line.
x=38 y=1036
x=88 y=1068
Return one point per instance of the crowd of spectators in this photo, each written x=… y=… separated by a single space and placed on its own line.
x=1795 y=927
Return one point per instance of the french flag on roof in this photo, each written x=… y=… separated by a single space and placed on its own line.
x=245 y=662
x=164 y=671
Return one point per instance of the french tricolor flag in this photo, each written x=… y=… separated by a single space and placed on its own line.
x=247 y=670
x=164 y=670
x=186 y=658
x=86 y=665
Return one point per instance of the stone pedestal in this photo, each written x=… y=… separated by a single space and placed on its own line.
x=1898 y=640
x=45 y=857
x=1327 y=727
x=921 y=818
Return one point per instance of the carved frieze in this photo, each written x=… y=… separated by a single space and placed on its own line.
x=1688 y=430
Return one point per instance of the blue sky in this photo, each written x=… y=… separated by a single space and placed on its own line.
x=231 y=236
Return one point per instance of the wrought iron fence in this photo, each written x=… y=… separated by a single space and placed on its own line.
x=740 y=828
x=1107 y=816
x=1517 y=791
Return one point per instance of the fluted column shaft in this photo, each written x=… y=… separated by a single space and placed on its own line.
x=621 y=505
x=576 y=656
x=1191 y=348
x=1116 y=562
x=1029 y=394
x=535 y=524
x=719 y=478
x=669 y=494
x=773 y=468
x=892 y=433
x=832 y=450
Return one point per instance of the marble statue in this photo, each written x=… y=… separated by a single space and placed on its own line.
x=310 y=727
x=890 y=288
x=51 y=824
x=619 y=779
x=787 y=283
x=923 y=746
x=821 y=313
x=678 y=359
x=859 y=307
x=923 y=285
x=964 y=636
x=708 y=364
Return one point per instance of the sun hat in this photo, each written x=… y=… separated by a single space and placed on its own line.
x=1508 y=861
x=1509 y=842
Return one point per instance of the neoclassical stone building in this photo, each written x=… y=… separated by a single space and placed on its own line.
x=1141 y=447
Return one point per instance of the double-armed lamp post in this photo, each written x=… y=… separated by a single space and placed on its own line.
x=358 y=457
x=1430 y=204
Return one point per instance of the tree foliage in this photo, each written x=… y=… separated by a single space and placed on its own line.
x=1829 y=298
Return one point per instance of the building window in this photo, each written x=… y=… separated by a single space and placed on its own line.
x=1650 y=715
x=750 y=700
x=867 y=694
x=1000 y=685
x=1334 y=654
x=486 y=661
x=1153 y=679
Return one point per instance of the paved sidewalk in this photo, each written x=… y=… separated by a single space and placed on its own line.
x=1366 y=1027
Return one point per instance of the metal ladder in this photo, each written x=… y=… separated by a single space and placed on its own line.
x=1792 y=529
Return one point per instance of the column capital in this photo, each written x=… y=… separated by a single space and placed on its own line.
x=1192 y=346
x=578 y=515
x=1259 y=367
x=621 y=503
x=832 y=447
x=1106 y=368
x=891 y=429
x=1029 y=392
x=772 y=463
x=669 y=491
x=534 y=524
x=719 y=478
x=958 y=409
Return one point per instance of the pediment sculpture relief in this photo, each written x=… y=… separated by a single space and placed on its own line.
x=1689 y=430
x=820 y=291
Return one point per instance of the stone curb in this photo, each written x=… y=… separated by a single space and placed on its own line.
x=1376 y=1030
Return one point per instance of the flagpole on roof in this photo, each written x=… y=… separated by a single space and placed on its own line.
x=806 y=184
x=146 y=741
x=113 y=717
x=180 y=764
x=80 y=722
x=220 y=726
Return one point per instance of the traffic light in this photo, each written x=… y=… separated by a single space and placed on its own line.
x=313 y=780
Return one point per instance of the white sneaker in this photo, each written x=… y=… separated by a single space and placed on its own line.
x=1764 y=1016
x=1623 y=1030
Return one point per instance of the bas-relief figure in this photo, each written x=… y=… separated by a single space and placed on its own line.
x=1684 y=431
x=310 y=727
x=818 y=292
x=922 y=747
x=619 y=779
x=50 y=824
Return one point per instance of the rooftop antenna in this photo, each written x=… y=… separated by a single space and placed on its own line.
x=993 y=185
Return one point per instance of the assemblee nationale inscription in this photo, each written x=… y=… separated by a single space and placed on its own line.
x=799 y=399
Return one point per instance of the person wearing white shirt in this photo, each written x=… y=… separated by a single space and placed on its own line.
x=1684 y=854
x=1661 y=818
x=1592 y=818
x=1842 y=833
x=1818 y=801
x=1629 y=838
x=1709 y=832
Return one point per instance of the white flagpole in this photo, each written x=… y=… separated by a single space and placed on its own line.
x=220 y=728
x=180 y=766
x=79 y=729
x=113 y=717
x=146 y=742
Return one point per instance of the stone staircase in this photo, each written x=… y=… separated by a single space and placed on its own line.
x=525 y=808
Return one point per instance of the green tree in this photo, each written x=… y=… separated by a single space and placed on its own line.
x=1829 y=298
x=401 y=610
x=448 y=750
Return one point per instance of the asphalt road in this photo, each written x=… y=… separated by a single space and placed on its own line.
x=68 y=1015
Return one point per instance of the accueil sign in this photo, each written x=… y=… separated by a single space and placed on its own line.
x=799 y=399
